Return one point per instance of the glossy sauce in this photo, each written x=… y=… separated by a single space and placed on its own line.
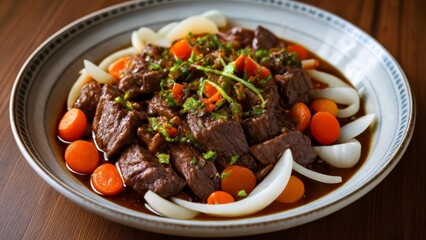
x=313 y=189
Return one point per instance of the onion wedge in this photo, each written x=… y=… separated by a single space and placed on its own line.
x=162 y=32
x=314 y=175
x=355 y=128
x=144 y=36
x=195 y=25
x=344 y=155
x=115 y=56
x=76 y=88
x=264 y=194
x=167 y=208
x=309 y=64
x=97 y=73
x=323 y=77
x=342 y=95
x=217 y=17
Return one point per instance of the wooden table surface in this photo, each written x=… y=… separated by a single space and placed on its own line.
x=395 y=209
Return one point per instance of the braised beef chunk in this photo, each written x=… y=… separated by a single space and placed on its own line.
x=141 y=170
x=89 y=98
x=152 y=141
x=114 y=126
x=200 y=174
x=269 y=151
x=240 y=37
x=264 y=39
x=271 y=122
x=225 y=137
x=142 y=82
x=277 y=61
x=294 y=86
x=261 y=128
x=158 y=107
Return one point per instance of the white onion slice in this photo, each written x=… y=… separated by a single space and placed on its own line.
x=355 y=128
x=344 y=155
x=137 y=44
x=167 y=208
x=326 y=78
x=315 y=175
x=195 y=25
x=308 y=64
x=97 y=73
x=162 y=32
x=217 y=17
x=115 y=56
x=264 y=194
x=144 y=36
x=341 y=95
x=76 y=88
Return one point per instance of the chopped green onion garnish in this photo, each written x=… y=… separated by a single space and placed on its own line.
x=163 y=158
x=234 y=159
x=210 y=155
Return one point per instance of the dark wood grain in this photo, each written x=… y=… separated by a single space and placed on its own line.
x=395 y=209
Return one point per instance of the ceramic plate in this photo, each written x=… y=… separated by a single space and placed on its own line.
x=40 y=91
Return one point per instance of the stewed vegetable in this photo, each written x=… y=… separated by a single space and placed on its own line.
x=203 y=117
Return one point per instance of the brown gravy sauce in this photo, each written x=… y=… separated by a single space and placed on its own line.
x=313 y=189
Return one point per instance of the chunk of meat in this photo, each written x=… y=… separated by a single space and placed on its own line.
x=141 y=171
x=265 y=39
x=88 y=99
x=142 y=82
x=271 y=122
x=200 y=175
x=225 y=137
x=240 y=37
x=294 y=86
x=271 y=150
x=113 y=125
x=157 y=107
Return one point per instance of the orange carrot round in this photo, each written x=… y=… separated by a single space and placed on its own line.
x=324 y=105
x=181 y=49
x=293 y=192
x=300 y=50
x=236 y=178
x=107 y=180
x=72 y=125
x=82 y=157
x=220 y=197
x=325 y=128
x=300 y=114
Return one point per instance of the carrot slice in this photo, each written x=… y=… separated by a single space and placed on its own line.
x=172 y=131
x=300 y=114
x=236 y=178
x=293 y=192
x=220 y=197
x=209 y=90
x=117 y=67
x=253 y=69
x=325 y=127
x=82 y=157
x=107 y=180
x=239 y=62
x=300 y=50
x=181 y=49
x=177 y=91
x=324 y=105
x=72 y=125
